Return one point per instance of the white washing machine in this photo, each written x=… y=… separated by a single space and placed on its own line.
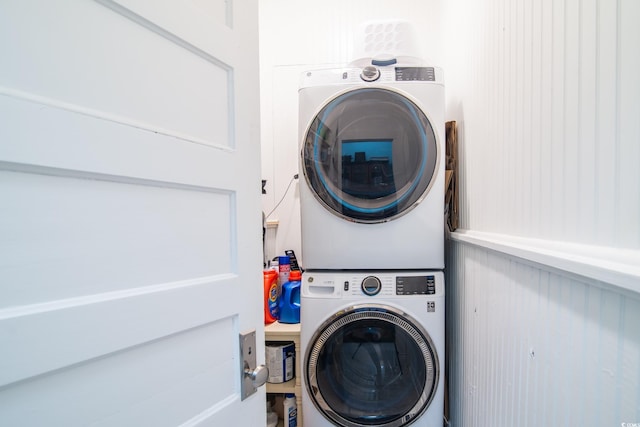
x=373 y=348
x=373 y=157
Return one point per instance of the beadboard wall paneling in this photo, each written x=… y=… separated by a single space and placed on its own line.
x=529 y=347
x=547 y=98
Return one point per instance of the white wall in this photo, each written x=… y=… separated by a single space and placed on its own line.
x=543 y=303
x=546 y=94
x=298 y=35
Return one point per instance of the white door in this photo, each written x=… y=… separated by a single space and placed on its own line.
x=130 y=223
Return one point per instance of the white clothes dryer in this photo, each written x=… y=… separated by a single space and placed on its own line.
x=373 y=347
x=373 y=156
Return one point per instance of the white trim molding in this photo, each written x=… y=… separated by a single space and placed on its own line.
x=615 y=266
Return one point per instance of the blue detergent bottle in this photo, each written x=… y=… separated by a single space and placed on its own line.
x=289 y=304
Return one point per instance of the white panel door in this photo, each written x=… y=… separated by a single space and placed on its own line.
x=130 y=223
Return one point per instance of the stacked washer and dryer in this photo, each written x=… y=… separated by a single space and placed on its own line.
x=372 y=202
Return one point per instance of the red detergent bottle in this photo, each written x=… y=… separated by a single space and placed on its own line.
x=289 y=304
x=271 y=296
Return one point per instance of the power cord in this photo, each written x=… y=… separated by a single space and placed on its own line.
x=294 y=177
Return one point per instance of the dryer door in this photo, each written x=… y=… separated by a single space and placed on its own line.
x=370 y=155
x=371 y=365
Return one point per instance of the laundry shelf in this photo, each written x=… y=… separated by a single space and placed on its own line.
x=287 y=332
x=288 y=387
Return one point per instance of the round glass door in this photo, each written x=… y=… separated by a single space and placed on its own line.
x=371 y=366
x=370 y=155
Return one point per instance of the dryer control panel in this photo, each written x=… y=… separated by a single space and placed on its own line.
x=371 y=74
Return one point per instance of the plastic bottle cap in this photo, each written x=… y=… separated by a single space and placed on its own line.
x=295 y=275
x=284 y=260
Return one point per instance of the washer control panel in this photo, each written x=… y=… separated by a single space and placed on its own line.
x=381 y=285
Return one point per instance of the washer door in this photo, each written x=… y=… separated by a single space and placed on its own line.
x=370 y=155
x=371 y=365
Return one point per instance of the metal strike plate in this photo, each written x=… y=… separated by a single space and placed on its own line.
x=253 y=376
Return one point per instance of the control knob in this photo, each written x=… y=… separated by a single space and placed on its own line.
x=371 y=285
x=370 y=73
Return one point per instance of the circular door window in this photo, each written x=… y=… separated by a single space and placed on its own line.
x=371 y=366
x=370 y=155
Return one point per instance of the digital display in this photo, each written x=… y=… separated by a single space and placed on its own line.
x=404 y=74
x=415 y=285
